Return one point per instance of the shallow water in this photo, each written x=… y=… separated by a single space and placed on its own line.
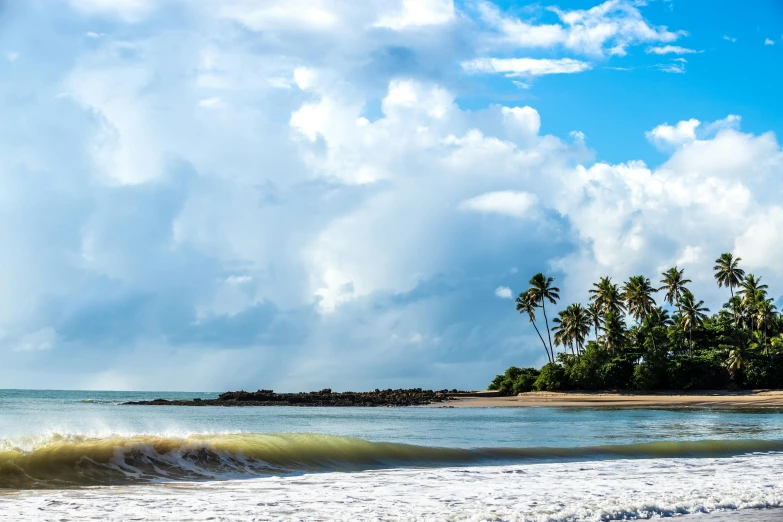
x=288 y=463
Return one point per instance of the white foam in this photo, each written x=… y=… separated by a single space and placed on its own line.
x=574 y=492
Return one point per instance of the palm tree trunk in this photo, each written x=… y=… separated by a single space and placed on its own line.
x=548 y=333
x=690 y=335
x=542 y=341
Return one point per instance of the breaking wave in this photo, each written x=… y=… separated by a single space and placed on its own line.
x=63 y=461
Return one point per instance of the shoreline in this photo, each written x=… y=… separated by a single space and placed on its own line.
x=754 y=399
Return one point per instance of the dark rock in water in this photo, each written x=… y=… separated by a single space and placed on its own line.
x=325 y=397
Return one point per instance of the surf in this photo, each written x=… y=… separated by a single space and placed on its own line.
x=66 y=461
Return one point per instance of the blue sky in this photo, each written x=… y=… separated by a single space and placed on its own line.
x=316 y=193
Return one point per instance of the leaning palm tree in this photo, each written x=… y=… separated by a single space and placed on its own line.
x=692 y=315
x=541 y=290
x=674 y=284
x=614 y=337
x=526 y=305
x=727 y=273
x=637 y=294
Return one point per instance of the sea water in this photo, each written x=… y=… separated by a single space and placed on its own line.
x=69 y=455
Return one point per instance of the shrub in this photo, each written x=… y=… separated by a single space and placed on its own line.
x=514 y=380
x=551 y=378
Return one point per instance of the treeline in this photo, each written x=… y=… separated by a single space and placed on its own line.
x=679 y=346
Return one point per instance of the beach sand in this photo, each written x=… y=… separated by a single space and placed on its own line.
x=703 y=399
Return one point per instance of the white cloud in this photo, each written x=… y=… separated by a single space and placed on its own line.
x=729 y=38
x=676 y=67
x=418 y=13
x=91 y=34
x=670 y=137
x=665 y=135
x=503 y=292
x=506 y=202
x=608 y=28
x=670 y=49
x=768 y=41
x=341 y=198
x=11 y=56
x=512 y=67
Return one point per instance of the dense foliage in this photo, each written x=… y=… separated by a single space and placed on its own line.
x=676 y=346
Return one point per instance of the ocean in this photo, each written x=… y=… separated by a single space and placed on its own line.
x=73 y=455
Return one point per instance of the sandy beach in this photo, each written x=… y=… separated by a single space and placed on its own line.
x=702 y=399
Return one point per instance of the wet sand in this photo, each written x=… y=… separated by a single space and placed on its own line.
x=714 y=399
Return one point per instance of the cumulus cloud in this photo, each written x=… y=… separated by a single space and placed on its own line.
x=510 y=203
x=608 y=28
x=670 y=49
x=418 y=13
x=341 y=205
x=513 y=67
x=667 y=137
x=503 y=292
x=768 y=41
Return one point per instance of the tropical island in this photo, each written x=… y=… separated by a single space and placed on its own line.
x=680 y=348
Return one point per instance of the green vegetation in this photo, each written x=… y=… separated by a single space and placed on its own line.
x=678 y=347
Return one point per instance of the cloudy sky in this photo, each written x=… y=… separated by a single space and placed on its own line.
x=295 y=194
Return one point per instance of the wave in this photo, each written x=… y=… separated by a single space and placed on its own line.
x=73 y=461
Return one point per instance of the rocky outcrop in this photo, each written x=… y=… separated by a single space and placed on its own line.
x=412 y=397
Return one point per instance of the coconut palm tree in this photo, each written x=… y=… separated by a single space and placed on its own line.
x=751 y=292
x=765 y=316
x=727 y=273
x=594 y=317
x=739 y=358
x=572 y=326
x=526 y=305
x=541 y=290
x=606 y=296
x=692 y=315
x=637 y=294
x=674 y=284
x=614 y=337
x=562 y=330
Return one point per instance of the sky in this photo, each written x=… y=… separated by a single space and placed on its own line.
x=300 y=194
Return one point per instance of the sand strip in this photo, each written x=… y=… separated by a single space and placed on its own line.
x=712 y=399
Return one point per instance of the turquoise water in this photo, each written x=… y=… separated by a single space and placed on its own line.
x=29 y=413
x=81 y=455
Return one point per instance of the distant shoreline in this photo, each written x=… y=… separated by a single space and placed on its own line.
x=462 y=399
x=671 y=399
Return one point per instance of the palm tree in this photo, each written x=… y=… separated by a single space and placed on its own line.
x=739 y=357
x=692 y=315
x=674 y=284
x=572 y=326
x=594 y=317
x=765 y=316
x=657 y=317
x=541 y=291
x=614 y=337
x=751 y=293
x=562 y=330
x=727 y=273
x=606 y=296
x=637 y=294
x=526 y=305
